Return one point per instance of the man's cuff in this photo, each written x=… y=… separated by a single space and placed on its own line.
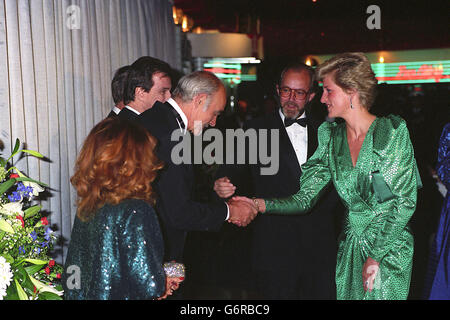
x=228 y=212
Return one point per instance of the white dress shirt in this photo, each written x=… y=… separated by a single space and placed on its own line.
x=299 y=138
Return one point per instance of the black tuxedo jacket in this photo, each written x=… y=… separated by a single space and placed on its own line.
x=293 y=242
x=127 y=114
x=112 y=114
x=174 y=186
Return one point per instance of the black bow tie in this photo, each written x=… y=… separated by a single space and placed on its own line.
x=288 y=122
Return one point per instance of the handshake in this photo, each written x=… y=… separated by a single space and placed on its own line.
x=242 y=209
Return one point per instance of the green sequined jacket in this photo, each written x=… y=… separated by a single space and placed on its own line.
x=116 y=255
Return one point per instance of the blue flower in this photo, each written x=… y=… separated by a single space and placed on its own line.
x=15 y=196
x=26 y=192
x=22 y=250
x=20 y=187
x=48 y=233
x=33 y=235
x=44 y=244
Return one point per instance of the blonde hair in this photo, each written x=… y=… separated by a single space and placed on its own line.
x=351 y=71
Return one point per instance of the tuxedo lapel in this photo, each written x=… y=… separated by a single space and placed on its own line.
x=159 y=120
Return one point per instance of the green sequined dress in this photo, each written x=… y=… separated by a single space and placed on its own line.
x=380 y=195
x=116 y=255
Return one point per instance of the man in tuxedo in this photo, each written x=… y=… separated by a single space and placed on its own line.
x=117 y=87
x=148 y=80
x=294 y=256
x=197 y=101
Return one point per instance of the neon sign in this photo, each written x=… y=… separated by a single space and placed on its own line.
x=413 y=72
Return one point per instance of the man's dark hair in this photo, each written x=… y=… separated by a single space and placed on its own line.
x=299 y=67
x=140 y=75
x=118 y=83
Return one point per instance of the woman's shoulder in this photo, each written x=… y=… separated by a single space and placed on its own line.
x=327 y=127
x=391 y=122
x=389 y=131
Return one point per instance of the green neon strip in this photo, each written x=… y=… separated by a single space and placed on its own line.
x=248 y=77
x=414 y=81
x=222 y=65
x=227 y=76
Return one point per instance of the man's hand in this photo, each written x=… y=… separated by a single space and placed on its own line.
x=241 y=212
x=224 y=188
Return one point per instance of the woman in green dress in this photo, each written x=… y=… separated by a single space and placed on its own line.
x=371 y=163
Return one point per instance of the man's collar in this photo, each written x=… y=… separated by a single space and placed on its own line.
x=116 y=110
x=135 y=111
x=178 y=109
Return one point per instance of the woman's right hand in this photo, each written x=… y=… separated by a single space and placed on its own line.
x=172 y=283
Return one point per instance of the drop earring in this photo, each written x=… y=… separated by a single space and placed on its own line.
x=351 y=105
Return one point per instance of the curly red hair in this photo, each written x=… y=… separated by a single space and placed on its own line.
x=117 y=162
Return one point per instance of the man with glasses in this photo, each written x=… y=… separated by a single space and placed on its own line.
x=293 y=257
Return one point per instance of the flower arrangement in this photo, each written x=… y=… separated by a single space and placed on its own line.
x=26 y=270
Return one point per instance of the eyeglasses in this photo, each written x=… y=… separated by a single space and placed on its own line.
x=299 y=94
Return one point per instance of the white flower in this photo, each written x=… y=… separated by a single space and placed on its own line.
x=5 y=275
x=2 y=293
x=36 y=188
x=11 y=208
x=3 y=263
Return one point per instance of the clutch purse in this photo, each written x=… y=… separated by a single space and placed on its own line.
x=174 y=269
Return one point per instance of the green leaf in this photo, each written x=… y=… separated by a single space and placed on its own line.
x=6 y=185
x=49 y=296
x=41 y=287
x=11 y=293
x=21 y=273
x=36 y=261
x=5 y=226
x=33 y=153
x=16 y=149
x=31 y=211
x=20 y=292
x=33 y=269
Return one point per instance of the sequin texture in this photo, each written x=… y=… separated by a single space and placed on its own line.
x=373 y=228
x=119 y=254
x=174 y=269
